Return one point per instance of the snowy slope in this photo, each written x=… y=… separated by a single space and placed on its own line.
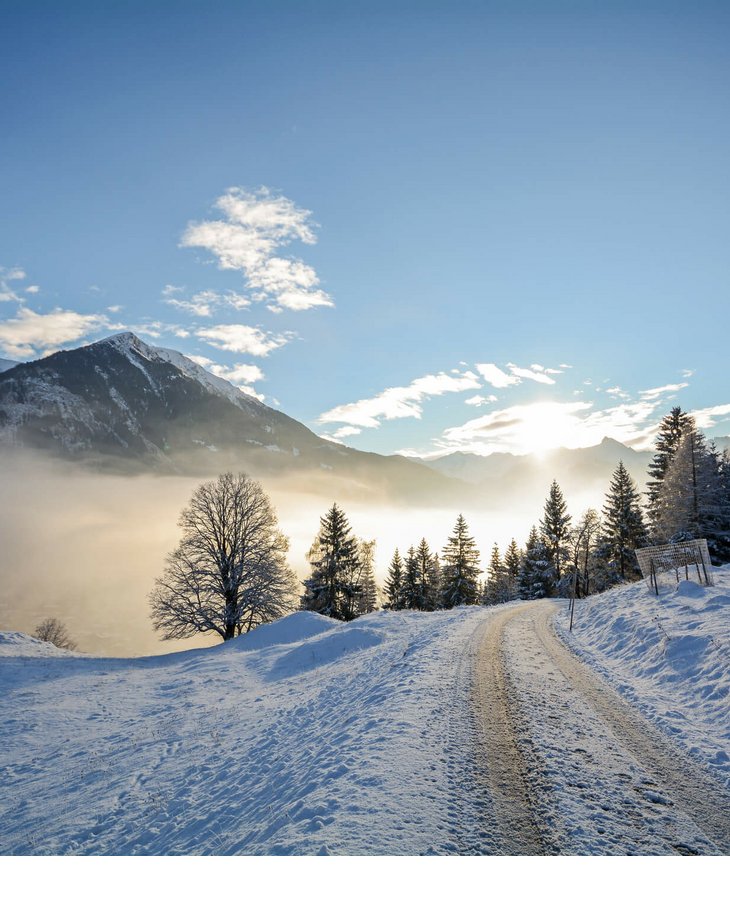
x=669 y=655
x=6 y=364
x=307 y=736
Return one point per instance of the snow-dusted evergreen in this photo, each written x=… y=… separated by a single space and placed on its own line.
x=334 y=588
x=460 y=568
x=555 y=531
x=623 y=523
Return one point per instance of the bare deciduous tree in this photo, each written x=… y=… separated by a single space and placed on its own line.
x=54 y=632
x=229 y=572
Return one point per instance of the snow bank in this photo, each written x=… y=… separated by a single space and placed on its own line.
x=288 y=630
x=669 y=654
x=15 y=643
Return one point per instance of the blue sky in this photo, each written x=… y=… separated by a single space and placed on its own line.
x=359 y=210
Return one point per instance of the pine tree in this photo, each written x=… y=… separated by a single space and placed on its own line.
x=434 y=582
x=623 y=525
x=690 y=501
x=496 y=590
x=512 y=565
x=428 y=586
x=555 y=531
x=460 y=568
x=394 y=583
x=367 y=595
x=411 y=582
x=536 y=572
x=670 y=432
x=333 y=587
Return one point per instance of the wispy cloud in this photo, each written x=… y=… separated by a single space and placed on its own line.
x=399 y=402
x=8 y=292
x=242 y=339
x=534 y=373
x=495 y=376
x=203 y=303
x=498 y=378
x=710 y=415
x=665 y=389
x=255 y=225
x=31 y=334
x=479 y=400
x=240 y=374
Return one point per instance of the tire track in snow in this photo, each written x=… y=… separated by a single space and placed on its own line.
x=696 y=793
x=504 y=764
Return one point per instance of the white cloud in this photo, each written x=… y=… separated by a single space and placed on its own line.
x=255 y=225
x=495 y=376
x=115 y=309
x=538 y=427
x=346 y=431
x=687 y=373
x=242 y=339
x=532 y=374
x=8 y=294
x=32 y=289
x=399 y=402
x=203 y=303
x=666 y=389
x=31 y=333
x=707 y=417
x=479 y=400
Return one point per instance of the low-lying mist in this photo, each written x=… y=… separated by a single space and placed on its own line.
x=87 y=547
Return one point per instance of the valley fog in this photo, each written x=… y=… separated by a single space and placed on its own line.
x=86 y=548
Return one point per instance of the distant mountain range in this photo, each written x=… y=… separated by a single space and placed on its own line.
x=122 y=405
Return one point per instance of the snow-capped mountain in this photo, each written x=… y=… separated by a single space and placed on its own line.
x=123 y=404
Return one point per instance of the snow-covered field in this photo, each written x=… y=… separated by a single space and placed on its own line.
x=306 y=736
x=669 y=655
x=310 y=736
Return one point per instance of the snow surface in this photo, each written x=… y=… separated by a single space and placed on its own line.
x=669 y=655
x=307 y=736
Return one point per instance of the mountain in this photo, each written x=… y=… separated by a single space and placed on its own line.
x=122 y=405
x=575 y=470
x=6 y=364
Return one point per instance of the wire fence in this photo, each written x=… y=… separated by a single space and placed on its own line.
x=688 y=558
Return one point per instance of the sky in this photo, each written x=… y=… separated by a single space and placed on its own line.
x=415 y=227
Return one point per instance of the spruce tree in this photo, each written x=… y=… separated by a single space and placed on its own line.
x=496 y=590
x=333 y=587
x=427 y=590
x=536 y=572
x=367 y=595
x=394 y=583
x=555 y=530
x=667 y=441
x=460 y=568
x=623 y=523
x=512 y=564
x=411 y=581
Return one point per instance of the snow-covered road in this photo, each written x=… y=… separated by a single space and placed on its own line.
x=572 y=767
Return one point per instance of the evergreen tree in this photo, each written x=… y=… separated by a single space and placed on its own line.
x=496 y=590
x=434 y=582
x=394 y=583
x=411 y=582
x=512 y=565
x=555 y=531
x=536 y=572
x=428 y=582
x=623 y=525
x=690 y=503
x=367 y=595
x=460 y=568
x=333 y=587
x=667 y=441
